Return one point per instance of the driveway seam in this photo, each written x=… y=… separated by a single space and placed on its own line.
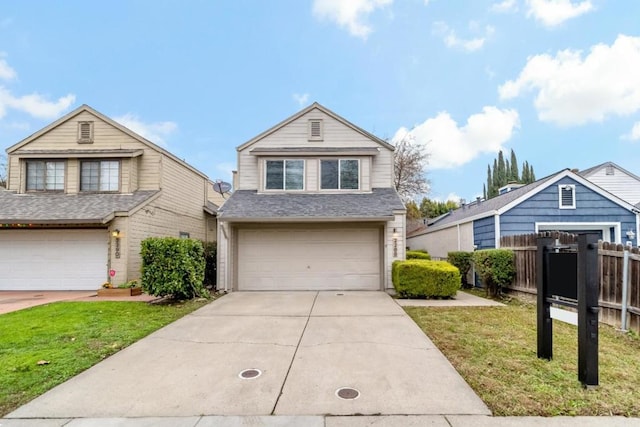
x=275 y=405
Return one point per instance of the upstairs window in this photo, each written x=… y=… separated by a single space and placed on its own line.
x=85 y=132
x=284 y=175
x=315 y=130
x=102 y=175
x=567 y=196
x=342 y=174
x=45 y=175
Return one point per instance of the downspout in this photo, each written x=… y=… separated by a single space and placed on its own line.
x=497 y=230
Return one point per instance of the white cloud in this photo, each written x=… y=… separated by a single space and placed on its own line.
x=572 y=90
x=451 y=146
x=6 y=72
x=505 y=6
x=349 y=13
x=554 y=12
x=155 y=132
x=35 y=104
x=451 y=39
x=634 y=135
x=301 y=99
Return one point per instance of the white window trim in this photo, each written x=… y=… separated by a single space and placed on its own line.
x=315 y=138
x=573 y=193
x=26 y=175
x=284 y=175
x=82 y=140
x=595 y=226
x=100 y=171
x=339 y=178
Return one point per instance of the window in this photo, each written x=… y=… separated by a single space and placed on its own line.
x=567 y=196
x=183 y=235
x=284 y=175
x=315 y=130
x=85 y=132
x=340 y=174
x=102 y=175
x=45 y=175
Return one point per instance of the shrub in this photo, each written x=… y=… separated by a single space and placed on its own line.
x=425 y=279
x=172 y=266
x=462 y=260
x=418 y=254
x=210 y=266
x=496 y=269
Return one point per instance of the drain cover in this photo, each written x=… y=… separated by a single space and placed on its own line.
x=248 y=374
x=347 y=393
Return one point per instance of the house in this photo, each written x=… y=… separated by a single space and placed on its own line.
x=314 y=209
x=82 y=193
x=564 y=201
x=615 y=180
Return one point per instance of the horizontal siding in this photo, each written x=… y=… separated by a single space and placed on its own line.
x=399 y=224
x=620 y=184
x=441 y=242
x=382 y=169
x=484 y=233
x=543 y=207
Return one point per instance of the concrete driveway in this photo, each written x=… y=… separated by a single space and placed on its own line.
x=305 y=345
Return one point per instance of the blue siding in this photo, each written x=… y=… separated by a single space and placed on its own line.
x=484 y=233
x=543 y=207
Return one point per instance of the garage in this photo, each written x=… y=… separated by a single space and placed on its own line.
x=59 y=259
x=322 y=258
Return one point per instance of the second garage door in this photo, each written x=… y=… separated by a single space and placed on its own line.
x=309 y=259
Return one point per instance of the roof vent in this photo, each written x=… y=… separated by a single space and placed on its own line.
x=315 y=130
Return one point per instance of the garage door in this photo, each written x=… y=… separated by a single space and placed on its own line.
x=309 y=259
x=53 y=259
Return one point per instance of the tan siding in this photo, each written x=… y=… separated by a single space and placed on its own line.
x=13 y=174
x=134 y=165
x=312 y=172
x=248 y=178
x=382 y=170
x=125 y=175
x=72 y=176
x=365 y=174
x=439 y=243
x=399 y=224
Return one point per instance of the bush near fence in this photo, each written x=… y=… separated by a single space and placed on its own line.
x=418 y=254
x=425 y=279
x=610 y=258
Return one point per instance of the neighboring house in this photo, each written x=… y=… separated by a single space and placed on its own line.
x=615 y=180
x=81 y=195
x=564 y=201
x=314 y=209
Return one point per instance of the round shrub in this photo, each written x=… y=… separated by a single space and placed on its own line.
x=418 y=255
x=425 y=279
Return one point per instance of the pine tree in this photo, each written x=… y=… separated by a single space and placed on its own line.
x=494 y=181
x=502 y=170
x=484 y=191
x=532 y=174
x=514 y=175
x=487 y=191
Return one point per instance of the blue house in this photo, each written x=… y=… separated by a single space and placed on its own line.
x=564 y=201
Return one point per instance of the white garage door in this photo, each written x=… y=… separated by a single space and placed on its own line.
x=309 y=259
x=53 y=259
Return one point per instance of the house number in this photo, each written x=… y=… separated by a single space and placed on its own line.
x=117 y=248
x=395 y=247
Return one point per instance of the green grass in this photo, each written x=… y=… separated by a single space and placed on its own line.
x=71 y=336
x=494 y=349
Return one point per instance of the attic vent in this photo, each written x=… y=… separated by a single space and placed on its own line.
x=85 y=132
x=610 y=170
x=315 y=130
x=567 y=196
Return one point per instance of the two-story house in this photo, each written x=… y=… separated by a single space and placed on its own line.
x=82 y=193
x=616 y=180
x=314 y=209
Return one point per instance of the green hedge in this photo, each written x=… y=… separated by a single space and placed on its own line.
x=418 y=254
x=462 y=260
x=425 y=279
x=496 y=269
x=174 y=267
x=211 y=260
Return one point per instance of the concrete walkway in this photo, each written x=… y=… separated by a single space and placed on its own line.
x=462 y=299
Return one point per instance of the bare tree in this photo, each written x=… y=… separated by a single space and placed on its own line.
x=3 y=170
x=410 y=161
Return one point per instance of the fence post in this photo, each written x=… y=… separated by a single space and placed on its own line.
x=588 y=281
x=545 y=325
x=625 y=290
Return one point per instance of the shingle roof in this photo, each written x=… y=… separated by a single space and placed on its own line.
x=248 y=205
x=67 y=208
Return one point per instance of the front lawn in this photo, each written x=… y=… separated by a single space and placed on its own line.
x=494 y=349
x=44 y=346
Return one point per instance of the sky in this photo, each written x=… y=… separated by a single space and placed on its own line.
x=557 y=81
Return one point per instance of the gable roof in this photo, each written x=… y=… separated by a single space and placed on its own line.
x=504 y=202
x=315 y=106
x=93 y=208
x=590 y=171
x=249 y=206
x=85 y=108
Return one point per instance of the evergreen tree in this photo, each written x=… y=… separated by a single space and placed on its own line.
x=489 y=185
x=514 y=175
x=532 y=174
x=412 y=210
x=484 y=191
x=502 y=170
x=495 y=183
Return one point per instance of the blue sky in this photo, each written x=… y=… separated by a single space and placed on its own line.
x=556 y=80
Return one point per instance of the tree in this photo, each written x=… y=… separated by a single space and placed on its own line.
x=410 y=160
x=505 y=171
x=514 y=175
x=412 y=210
x=3 y=170
x=433 y=208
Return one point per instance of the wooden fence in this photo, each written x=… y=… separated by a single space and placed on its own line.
x=610 y=258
